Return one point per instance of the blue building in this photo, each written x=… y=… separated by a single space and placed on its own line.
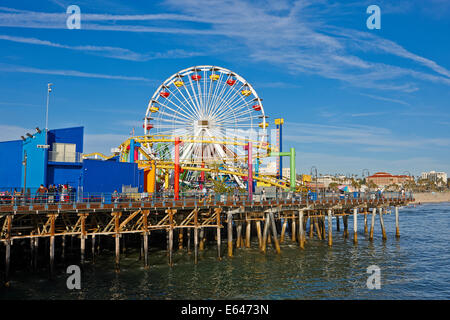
x=56 y=159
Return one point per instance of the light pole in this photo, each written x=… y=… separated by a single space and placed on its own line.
x=49 y=89
x=315 y=187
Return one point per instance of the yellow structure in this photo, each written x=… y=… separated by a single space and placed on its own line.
x=279 y=121
x=150 y=178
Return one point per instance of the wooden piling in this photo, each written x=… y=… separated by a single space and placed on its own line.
x=293 y=230
x=238 y=234
x=63 y=247
x=383 y=230
x=365 y=222
x=170 y=212
x=316 y=226
x=7 y=261
x=230 y=233
x=274 y=233
x=283 y=230
x=117 y=216
x=93 y=248
x=258 y=232
x=180 y=238
x=202 y=242
x=189 y=240
x=265 y=233
x=52 y=245
x=311 y=225
x=338 y=227
x=195 y=236
x=397 y=228
x=8 y=249
x=83 y=236
x=345 y=221
x=218 y=211
x=322 y=225
x=248 y=233
x=145 y=237
x=330 y=229
x=36 y=253
x=355 y=225
x=301 y=235
x=372 y=225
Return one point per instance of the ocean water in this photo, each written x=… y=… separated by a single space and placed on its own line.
x=416 y=266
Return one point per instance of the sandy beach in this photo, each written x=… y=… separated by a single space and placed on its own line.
x=425 y=197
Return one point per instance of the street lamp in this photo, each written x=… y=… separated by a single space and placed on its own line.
x=49 y=89
x=315 y=169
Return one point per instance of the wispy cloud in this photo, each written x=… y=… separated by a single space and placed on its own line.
x=69 y=73
x=20 y=104
x=385 y=99
x=102 y=142
x=356 y=135
x=11 y=132
x=294 y=35
x=105 y=51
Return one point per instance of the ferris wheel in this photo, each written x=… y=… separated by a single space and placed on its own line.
x=214 y=109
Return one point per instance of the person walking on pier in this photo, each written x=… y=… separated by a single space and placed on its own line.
x=115 y=196
x=40 y=193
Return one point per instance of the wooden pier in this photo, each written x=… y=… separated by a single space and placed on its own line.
x=230 y=219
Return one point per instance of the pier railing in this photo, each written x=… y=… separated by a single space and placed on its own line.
x=73 y=197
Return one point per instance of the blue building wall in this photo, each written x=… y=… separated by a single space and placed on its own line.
x=67 y=135
x=90 y=175
x=107 y=176
x=11 y=166
x=36 y=160
x=65 y=174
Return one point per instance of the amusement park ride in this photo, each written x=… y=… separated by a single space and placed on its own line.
x=206 y=119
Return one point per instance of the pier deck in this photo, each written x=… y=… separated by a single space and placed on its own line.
x=229 y=217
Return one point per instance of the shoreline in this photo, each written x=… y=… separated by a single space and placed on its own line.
x=428 y=197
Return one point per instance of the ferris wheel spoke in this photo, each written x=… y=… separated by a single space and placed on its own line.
x=220 y=87
x=223 y=94
x=233 y=110
x=186 y=118
x=198 y=94
x=189 y=101
x=226 y=102
x=195 y=96
x=211 y=95
x=187 y=115
x=185 y=104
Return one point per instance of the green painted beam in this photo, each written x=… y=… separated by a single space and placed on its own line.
x=291 y=155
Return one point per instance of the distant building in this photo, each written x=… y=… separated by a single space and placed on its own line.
x=438 y=177
x=383 y=179
x=270 y=169
x=326 y=180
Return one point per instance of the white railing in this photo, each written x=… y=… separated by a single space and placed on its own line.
x=56 y=156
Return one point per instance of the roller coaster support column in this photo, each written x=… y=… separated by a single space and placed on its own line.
x=279 y=123
x=290 y=154
x=202 y=177
x=249 y=148
x=176 y=180
x=131 y=152
x=133 y=155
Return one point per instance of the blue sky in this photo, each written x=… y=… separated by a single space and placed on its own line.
x=352 y=98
